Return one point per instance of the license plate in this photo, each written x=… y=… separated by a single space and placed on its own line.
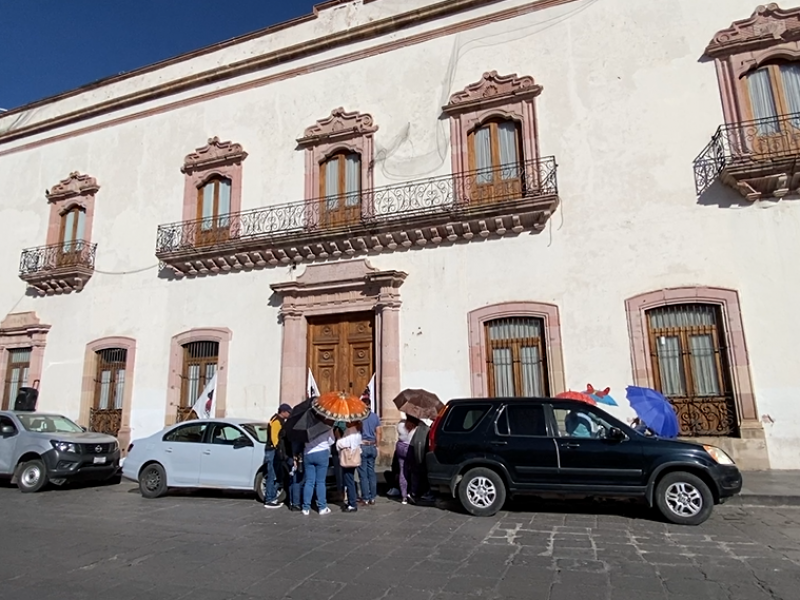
x=99 y=460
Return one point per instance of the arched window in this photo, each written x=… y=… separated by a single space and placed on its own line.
x=109 y=391
x=515 y=357
x=773 y=90
x=213 y=210
x=73 y=231
x=690 y=366
x=200 y=361
x=340 y=189
x=495 y=155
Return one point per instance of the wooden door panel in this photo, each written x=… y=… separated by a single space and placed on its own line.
x=340 y=352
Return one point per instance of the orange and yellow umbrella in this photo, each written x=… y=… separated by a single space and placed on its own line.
x=339 y=406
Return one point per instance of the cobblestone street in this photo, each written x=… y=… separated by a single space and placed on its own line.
x=108 y=542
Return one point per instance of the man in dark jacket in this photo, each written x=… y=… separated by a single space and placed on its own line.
x=273 y=439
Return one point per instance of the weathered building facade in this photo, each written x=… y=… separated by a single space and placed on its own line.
x=507 y=197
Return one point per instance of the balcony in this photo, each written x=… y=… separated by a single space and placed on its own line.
x=58 y=268
x=759 y=159
x=429 y=212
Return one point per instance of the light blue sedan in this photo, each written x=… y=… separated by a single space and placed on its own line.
x=214 y=453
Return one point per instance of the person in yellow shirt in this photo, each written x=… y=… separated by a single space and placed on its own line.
x=273 y=438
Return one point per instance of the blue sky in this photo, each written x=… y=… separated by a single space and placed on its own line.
x=51 y=46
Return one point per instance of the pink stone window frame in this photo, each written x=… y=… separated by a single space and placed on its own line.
x=88 y=384
x=76 y=190
x=728 y=300
x=215 y=159
x=495 y=96
x=747 y=45
x=221 y=335
x=22 y=330
x=477 y=320
x=342 y=131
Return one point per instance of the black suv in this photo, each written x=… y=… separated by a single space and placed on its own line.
x=484 y=449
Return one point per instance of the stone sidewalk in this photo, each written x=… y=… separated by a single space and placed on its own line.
x=769 y=488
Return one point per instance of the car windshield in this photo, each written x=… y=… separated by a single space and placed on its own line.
x=257 y=430
x=48 y=424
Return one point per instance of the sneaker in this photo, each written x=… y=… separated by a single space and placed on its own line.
x=295 y=508
x=324 y=511
x=405 y=501
x=350 y=509
x=273 y=504
x=393 y=493
x=371 y=502
x=306 y=512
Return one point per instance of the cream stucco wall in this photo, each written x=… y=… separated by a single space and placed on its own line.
x=627 y=105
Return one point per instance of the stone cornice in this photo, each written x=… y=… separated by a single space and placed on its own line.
x=213 y=154
x=493 y=89
x=74 y=185
x=768 y=26
x=340 y=125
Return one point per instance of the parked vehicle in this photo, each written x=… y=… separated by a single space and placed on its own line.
x=37 y=448
x=216 y=453
x=483 y=450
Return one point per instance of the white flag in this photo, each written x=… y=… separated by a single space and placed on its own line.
x=371 y=388
x=206 y=405
x=311 y=385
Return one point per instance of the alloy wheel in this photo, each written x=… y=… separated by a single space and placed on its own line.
x=481 y=492
x=684 y=499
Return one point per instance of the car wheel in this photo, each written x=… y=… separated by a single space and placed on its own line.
x=153 y=481
x=259 y=488
x=684 y=499
x=482 y=492
x=32 y=476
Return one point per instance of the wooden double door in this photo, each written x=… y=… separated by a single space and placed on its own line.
x=341 y=351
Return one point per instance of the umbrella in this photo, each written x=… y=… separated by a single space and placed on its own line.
x=580 y=397
x=654 y=410
x=302 y=424
x=338 y=406
x=420 y=404
x=600 y=396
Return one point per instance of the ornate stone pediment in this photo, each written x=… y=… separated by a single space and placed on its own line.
x=340 y=125
x=212 y=154
x=494 y=89
x=769 y=25
x=74 y=185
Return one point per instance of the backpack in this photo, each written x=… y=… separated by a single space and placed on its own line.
x=270 y=445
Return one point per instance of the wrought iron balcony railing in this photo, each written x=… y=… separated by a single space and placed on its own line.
x=58 y=268
x=461 y=196
x=747 y=144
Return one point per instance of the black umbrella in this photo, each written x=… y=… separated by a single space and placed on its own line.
x=303 y=424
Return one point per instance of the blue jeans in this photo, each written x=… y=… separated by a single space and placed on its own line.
x=316 y=469
x=349 y=474
x=270 y=490
x=294 y=482
x=366 y=473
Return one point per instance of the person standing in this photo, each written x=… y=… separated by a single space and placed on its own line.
x=349 y=445
x=370 y=432
x=316 y=456
x=273 y=440
x=405 y=432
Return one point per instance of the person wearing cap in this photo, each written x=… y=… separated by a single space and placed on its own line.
x=273 y=439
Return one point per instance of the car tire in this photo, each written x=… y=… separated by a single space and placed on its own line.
x=259 y=487
x=153 y=481
x=31 y=476
x=482 y=492
x=684 y=499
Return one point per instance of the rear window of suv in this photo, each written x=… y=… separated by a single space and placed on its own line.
x=465 y=418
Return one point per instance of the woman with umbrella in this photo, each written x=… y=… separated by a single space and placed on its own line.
x=330 y=408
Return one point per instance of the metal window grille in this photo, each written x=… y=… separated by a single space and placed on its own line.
x=516 y=358
x=690 y=364
x=199 y=365
x=17 y=369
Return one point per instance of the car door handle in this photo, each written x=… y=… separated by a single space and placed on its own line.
x=499 y=443
x=206 y=451
x=571 y=445
x=168 y=450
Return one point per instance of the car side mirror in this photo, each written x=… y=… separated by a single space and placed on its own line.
x=241 y=442
x=7 y=431
x=83 y=428
x=616 y=434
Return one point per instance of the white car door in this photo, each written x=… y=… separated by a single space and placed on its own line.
x=227 y=460
x=8 y=440
x=181 y=451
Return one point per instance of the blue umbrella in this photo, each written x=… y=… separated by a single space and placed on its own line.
x=654 y=410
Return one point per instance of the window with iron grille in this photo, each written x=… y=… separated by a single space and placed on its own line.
x=690 y=365
x=516 y=358
x=109 y=381
x=17 y=367
x=199 y=365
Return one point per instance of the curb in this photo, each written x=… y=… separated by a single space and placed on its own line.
x=763 y=500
